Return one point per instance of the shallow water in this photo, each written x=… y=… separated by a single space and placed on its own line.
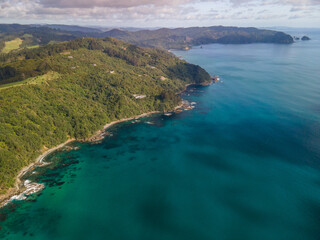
x=244 y=164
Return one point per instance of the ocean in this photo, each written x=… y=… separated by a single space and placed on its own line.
x=243 y=164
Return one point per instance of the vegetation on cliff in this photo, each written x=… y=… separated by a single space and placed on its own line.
x=72 y=89
x=184 y=38
x=165 y=38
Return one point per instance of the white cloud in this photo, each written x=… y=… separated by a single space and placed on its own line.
x=107 y=3
x=155 y=11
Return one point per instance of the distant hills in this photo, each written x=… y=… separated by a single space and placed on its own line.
x=164 y=38
x=71 y=28
x=185 y=38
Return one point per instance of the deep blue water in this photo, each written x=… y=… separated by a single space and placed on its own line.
x=244 y=164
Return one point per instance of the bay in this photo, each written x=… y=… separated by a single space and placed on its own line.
x=244 y=164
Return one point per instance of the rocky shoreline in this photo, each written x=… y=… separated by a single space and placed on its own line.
x=22 y=189
x=26 y=188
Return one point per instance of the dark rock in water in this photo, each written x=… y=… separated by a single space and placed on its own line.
x=59 y=183
x=296 y=38
x=11 y=207
x=305 y=38
x=111 y=145
x=3 y=217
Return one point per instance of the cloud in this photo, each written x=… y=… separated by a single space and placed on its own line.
x=299 y=2
x=160 y=3
x=297 y=16
x=154 y=12
x=271 y=16
x=107 y=3
x=301 y=8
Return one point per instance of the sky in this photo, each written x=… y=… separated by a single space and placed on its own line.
x=163 y=13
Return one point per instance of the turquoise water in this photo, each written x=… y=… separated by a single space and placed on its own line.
x=244 y=164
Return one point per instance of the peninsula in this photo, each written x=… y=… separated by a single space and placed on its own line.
x=70 y=90
x=22 y=36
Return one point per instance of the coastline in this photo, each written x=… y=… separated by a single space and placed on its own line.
x=207 y=83
x=19 y=187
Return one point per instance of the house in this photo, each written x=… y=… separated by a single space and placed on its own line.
x=137 y=96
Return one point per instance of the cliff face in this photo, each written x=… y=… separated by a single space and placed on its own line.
x=281 y=37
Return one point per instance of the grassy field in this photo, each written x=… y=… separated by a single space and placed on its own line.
x=34 y=80
x=12 y=45
x=35 y=46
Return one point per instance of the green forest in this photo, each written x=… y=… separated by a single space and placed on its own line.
x=164 y=38
x=72 y=89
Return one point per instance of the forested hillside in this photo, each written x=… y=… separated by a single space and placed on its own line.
x=185 y=38
x=165 y=38
x=72 y=89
